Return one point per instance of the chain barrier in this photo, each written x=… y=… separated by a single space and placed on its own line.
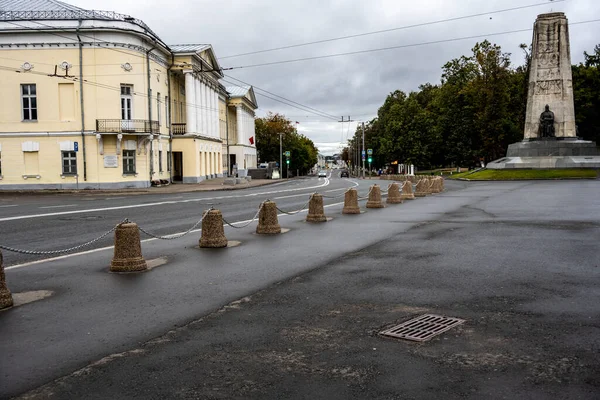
x=334 y=197
x=367 y=195
x=174 y=236
x=249 y=222
x=297 y=211
x=70 y=249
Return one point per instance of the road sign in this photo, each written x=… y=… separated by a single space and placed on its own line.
x=76 y=146
x=287 y=154
x=363 y=153
x=370 y=152
x=363 y=157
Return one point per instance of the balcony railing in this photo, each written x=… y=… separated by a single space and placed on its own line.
x=127 y=126
x=178 y=128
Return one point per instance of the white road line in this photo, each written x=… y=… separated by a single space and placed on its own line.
x=9 y=205
x=61 y=206
x=150 y=204
x=115 y=198
x=142 y=241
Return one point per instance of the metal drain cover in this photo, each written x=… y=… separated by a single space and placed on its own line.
x=422 y=328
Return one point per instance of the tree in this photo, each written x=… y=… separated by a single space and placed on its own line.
x=268 y=130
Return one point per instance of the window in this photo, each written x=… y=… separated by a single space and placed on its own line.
x=29 y=102
x=69 y=163
x=160 y=169
x=168 y=160
x=126 y=100
x=158 y=108
x=0 y=163
x=128 y=162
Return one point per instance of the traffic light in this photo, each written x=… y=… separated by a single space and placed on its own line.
x=370 y=159
x=287 y=162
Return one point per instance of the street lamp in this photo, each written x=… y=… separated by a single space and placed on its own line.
x=280 y=155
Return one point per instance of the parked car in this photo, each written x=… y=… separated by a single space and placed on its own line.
x=322 y=174
x=344 y=174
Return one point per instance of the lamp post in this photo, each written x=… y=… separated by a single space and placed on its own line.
x=281 y=155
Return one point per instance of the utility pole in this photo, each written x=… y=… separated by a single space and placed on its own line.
x=280 y=155
x=363 y=147
x=348 y=120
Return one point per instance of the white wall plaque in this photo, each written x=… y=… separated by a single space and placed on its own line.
x=111 y=161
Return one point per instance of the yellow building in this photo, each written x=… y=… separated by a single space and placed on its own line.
x=94 y=99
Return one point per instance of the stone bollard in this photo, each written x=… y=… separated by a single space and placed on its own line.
x=316 y=212
x=6 y=299
x=351 y=202
x=407 y=192
x=128 y=249
x=213 y=234
x=394 y=196
x=374 y=200
x=421 y=189
x=268 y=223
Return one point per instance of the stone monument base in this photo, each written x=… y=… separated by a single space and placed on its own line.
x=549 y=153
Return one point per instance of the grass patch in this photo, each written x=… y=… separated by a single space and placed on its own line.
x=519 y=174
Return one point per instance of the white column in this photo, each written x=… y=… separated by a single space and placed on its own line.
x=208 y=111
x=238 y=118
x=197 y=106
x=201 y=110
x=190 y=99
x=217 y=133
x=211 y=111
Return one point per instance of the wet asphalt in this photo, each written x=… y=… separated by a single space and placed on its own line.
x=518 y=261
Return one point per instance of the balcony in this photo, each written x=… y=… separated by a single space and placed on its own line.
x=127 y=126
x=178 y=128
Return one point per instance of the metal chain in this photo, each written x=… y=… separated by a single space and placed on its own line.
x=294 y=212
x=249 y=222
x=70 y=249
x=175 y=236
x=335 y=197
x=367 y=195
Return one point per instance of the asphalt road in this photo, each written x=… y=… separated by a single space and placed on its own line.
x=296 y=315
x=61 y=221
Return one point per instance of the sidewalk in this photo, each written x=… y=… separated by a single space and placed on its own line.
x=311 y=330
x=204 y=186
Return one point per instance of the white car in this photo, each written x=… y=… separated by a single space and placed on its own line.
x=322 y=174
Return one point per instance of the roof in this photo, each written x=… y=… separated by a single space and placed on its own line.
x=187 y=48
x=54 y=10
x=36 y=5
x=237 y=91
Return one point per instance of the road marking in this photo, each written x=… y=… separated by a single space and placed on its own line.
x=9 y=205
x=27 y=264
x=61 y=206
x=115 y=198
x=149 y=204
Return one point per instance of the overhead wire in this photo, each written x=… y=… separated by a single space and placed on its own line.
x=392 y=29
x=397 y=47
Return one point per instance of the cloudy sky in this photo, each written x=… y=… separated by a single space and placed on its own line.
x=350 y=85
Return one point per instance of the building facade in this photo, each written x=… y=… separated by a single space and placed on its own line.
x=242 y=138
x=94 y=99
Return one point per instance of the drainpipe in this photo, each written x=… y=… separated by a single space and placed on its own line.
x=150 y=113
x=227 y=131
x=168 y=117
x=81 y=101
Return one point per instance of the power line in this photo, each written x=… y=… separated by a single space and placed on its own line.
x=392 y=29
x=280 y=101
x=323 y=114
x=397 y=47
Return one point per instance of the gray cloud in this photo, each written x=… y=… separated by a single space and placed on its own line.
x=353 y=85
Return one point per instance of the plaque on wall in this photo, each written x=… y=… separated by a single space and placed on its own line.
x=111 y=162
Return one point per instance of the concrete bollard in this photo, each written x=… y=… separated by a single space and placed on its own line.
x=6 y=299
x=213 y=234
x=316 y=211
x=268 y=223
x=374 y=200
x=394 y=196
x=351 y=202
x=128 y=249
x=407 y=192
x=421 y=189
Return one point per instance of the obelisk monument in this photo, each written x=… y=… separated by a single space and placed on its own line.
x=550 y=78
x=550 y=138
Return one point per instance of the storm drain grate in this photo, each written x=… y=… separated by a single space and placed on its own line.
x=422 y=328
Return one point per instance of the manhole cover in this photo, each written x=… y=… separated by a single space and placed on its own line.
x=422 y=328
